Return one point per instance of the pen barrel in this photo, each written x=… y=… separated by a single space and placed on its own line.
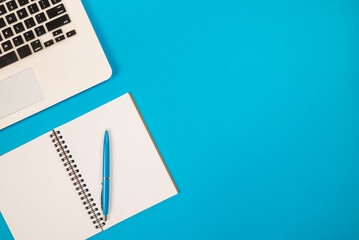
x=105 y=196
x=106 y=156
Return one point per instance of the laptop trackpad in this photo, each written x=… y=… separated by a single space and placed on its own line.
x=18 y=92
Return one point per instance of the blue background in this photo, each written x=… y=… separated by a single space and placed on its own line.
x=253 y=104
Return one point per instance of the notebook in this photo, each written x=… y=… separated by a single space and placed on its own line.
x=50 y=187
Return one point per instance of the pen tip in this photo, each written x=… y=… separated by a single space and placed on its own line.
x=105 y=218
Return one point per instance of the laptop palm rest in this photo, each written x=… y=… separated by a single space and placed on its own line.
x=18 y=92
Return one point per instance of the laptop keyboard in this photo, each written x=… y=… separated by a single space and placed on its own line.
x=23 y=22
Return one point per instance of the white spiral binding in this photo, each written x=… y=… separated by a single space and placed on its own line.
x=76 y=177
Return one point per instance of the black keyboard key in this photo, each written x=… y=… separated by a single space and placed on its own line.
x=2 y=23
x=40 y=31
x=44 y=4
x=71 y=33
x=36 y=45
x=19 y=27
x=11 y=5
x=23 y=2
x=29 y=35
x=29 y=22
x=7 y=32
x=22 y=13
x=6 y=45
x=40 y=18
x=17 y=41
x=59 y=38
x=11 y=18
x=24 y=51
x=0 y=39
x=55 y=1
x=57 y=32
x=8 y=59
x=2 y=9
x=58 y=22
x=56 y=11
x=49 y=43
x=33 y=8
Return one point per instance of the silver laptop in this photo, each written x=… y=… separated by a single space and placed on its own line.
x=48 y=52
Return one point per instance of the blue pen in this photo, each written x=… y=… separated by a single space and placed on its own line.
x=105 y=194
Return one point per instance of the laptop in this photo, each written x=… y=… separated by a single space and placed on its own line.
x=48 y=52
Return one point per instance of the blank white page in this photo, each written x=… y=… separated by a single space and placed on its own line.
x=37 y=199
x=139 y=178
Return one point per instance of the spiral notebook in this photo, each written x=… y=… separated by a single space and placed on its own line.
x=51 y=187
